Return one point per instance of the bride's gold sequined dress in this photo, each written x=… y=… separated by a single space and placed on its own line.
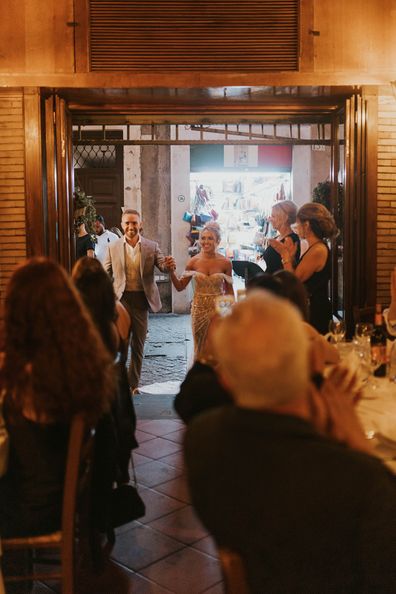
x=206 y=289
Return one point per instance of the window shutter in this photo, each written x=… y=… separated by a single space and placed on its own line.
x=194 y=35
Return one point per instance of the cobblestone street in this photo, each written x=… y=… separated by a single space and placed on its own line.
x=167 y=354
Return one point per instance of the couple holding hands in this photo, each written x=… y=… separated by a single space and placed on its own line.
x=131 y=260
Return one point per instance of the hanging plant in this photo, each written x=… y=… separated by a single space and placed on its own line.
x=322 y=194
x=84 y=210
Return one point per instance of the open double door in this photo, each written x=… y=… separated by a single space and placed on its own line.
x=353 y=279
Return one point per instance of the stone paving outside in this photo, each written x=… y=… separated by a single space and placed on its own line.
x=168 y=350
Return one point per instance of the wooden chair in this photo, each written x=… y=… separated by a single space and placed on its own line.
x=75 y=513
x=233 y=572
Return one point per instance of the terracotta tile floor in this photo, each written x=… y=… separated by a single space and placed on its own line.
x=168 y=550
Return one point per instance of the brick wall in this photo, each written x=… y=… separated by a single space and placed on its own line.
x=12 y=186
x=386 y=205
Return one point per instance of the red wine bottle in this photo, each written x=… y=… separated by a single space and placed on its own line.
x=378 y=342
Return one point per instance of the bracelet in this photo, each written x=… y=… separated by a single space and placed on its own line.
x=285 y=261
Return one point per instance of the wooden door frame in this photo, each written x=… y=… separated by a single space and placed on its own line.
x=360 y=278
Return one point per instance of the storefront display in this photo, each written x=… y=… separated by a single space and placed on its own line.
x=241 y=203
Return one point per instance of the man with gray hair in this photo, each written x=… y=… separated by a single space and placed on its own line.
x=284 y=476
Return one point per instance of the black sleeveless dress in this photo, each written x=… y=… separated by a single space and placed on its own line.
x=273 y=260
x=317 y=287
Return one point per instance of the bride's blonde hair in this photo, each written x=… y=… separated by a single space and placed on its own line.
x=213 y=228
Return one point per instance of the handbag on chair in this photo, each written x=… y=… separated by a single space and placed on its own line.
x=126 y=505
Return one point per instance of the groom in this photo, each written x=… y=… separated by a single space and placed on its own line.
x=131 y=260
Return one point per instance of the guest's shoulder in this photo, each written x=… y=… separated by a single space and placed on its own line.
x=357 y=467
x=213 y=419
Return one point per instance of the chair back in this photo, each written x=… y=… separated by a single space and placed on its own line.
x=76 y=509
x=76 y=516
x=233 y=572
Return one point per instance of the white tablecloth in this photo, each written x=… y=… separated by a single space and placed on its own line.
x=377 y=413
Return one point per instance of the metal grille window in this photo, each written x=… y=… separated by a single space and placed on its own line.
x=96 y=156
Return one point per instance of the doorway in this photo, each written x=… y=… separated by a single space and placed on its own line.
x=206 y=111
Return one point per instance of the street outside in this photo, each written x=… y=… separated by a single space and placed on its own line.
x=168 y=353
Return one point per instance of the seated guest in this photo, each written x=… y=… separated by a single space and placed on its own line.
x=55 y=365
x=284 y=476
x=202 y=389
x=295 y=292
x=390 y=312
x=97 y=292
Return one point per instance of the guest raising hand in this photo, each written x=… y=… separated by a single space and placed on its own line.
x=315 y=224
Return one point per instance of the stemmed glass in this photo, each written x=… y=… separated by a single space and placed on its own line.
x=363 y=331
x=337 y=330
x=361 y=340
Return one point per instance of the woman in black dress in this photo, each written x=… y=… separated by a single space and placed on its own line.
x=283 y=215
x=55 y=365
x=96 y=290
x=315 y=224
x=85 y=245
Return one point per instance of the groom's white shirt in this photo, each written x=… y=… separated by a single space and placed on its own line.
x=150 y=256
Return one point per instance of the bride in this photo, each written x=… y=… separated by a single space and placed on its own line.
x=212 y=274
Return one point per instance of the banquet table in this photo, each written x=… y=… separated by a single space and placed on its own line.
x=377 y=413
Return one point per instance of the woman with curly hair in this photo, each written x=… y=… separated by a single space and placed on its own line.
x=315 y=224
x=55 y=365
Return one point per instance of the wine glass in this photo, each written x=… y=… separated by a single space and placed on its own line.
x=361 y=339
x=337 y=330
x=363 y=331
x=370 y=362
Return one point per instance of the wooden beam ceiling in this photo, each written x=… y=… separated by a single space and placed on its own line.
x=241 y=104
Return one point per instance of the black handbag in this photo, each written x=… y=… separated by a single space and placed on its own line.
x=126 y=505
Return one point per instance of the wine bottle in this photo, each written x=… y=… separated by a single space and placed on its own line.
x=378 y=342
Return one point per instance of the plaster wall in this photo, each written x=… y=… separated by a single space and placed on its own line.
x=320 y=166
x=132 y=172
x=156 y=209
x=301 y=177
x=180 y=201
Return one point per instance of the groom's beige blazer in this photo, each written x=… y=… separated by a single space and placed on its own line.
x=150 y=256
